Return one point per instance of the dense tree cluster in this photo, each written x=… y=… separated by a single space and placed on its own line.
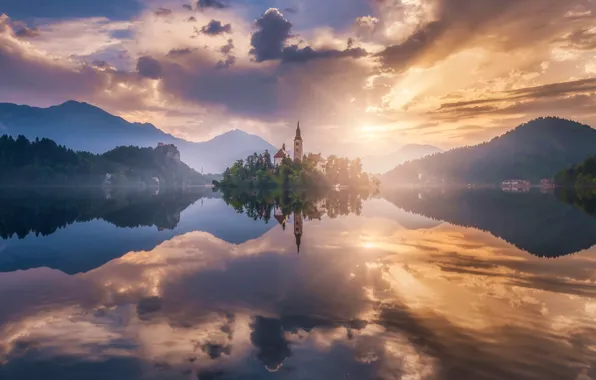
x=258 y=172
x=581 y=175
x=532 y=151
x=24 y=162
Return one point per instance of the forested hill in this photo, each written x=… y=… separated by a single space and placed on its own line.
x=535 y=150
x=581 y=175
x=43 y=162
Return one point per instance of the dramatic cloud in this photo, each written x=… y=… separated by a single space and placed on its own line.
x=149 y=67
x=163 y=12
x=269 y=40
x=179 y=52
x=371 y=75
x=215 y=28
x=217 y=4
x=224 y=64
x=25 y=32
x=227 y=48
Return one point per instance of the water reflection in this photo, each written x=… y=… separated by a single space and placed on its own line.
x=381 y=295
x=534 y=221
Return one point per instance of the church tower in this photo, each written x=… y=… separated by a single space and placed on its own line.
x=298 y=145
x=298 y=228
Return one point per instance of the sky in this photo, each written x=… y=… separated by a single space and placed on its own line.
x=363 y=76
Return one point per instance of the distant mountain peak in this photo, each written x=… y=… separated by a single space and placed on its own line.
x=83 y=126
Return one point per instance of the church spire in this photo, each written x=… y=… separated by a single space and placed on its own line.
x=298 y=134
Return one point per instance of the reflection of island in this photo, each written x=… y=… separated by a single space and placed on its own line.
x=79 y=231
x=296 y=207
x=534 y=221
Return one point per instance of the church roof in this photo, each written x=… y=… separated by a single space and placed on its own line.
x=281 y=154
x=298 y=134
x=280 y=218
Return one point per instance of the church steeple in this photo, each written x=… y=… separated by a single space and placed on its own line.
x=298 y=144
x=298 y=225
x=298 y=134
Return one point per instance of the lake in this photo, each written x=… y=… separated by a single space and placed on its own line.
x=413 y=284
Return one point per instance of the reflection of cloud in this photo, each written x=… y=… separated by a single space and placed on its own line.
x=446 y=302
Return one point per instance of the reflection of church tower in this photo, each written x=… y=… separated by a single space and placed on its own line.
x=298 y=144
x=298 y=228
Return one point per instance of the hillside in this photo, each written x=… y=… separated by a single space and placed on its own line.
x=385 y=162
x=581 y=175
x=81 y=126
x=43 y=162
x=535 y=150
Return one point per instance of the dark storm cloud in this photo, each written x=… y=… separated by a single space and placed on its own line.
x=179 y=52
x=227 y=48
x=268 y=42
x=64 y=9
x=270 y=38
x=149 y=67
x=217 y=4
x=224 y=64
x=25 y=32
x=215 y=28
x=294 y=54
x=163 y=12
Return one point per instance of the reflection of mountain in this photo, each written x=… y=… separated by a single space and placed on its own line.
x=533 y=221
x=81 y=231
x=382 y=209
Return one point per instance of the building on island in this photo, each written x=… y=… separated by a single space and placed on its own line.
x=298 y=144
x=280 y=217
x=299 y=153
x=280 y=155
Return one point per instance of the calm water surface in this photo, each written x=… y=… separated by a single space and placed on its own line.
x=419 y=285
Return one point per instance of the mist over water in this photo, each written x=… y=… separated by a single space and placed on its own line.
x=410 y=284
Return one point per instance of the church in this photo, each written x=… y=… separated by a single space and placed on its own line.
x=282 y=153
x=298 y=152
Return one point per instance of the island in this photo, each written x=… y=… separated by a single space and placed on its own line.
x=304 y=172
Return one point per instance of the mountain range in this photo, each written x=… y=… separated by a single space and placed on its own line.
x=385 y=162
x=532 y=151
x=81 y=126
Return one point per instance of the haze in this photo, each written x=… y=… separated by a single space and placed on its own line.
x=364 y=77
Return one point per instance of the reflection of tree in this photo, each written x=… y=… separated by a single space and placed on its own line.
x=535 y=222
x=584 y=198
x=42 y=213
x=312 y=205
